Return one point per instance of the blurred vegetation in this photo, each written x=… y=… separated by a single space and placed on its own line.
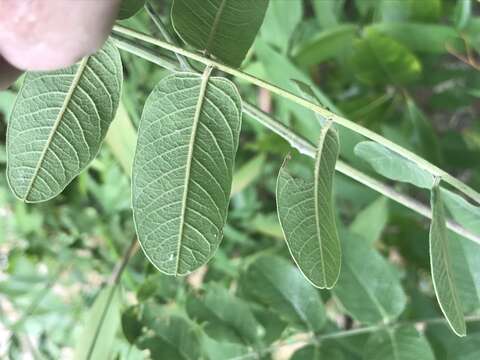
x=407 y=69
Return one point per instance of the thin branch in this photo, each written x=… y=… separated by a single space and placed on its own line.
x=113 y=281
x=422 y=163
x=306 y=148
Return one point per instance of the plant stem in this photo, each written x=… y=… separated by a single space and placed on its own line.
x=434 y=170
x=306 y=148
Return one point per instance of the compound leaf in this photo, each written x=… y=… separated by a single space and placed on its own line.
x=223 y=28
x=305 y=210
x=441 y=267
x=58 y=123
x=182 y=171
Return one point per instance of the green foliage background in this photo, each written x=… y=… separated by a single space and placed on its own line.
x=406 y=69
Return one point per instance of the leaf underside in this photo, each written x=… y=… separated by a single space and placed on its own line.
x=306 y=213
x=441 y=267
x=182 y=172
x=223 y=28
x=58 y=123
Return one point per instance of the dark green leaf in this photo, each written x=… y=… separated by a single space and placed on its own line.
x=128 y=8
x=281 y=287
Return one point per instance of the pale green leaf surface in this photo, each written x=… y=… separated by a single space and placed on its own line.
x=182 y=172
x=371 y=221
x=328 y=12
x=281 y=19
x=312 y=352
x=223 y=28
x=441 y=267
x=306 y=213
x=393 y=166
x=99 y=329
x=58 y=123
x=368 y=288
x=280 y=286
x=245 y=175
x=122 y=139
x=400 y=343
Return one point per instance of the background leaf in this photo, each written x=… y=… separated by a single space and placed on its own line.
x=280 y=286
x=378 y=59
x=373 y=293
x=182 y=171
x=402 y=343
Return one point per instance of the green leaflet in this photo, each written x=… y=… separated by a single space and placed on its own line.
x=400 y=343
x=441 y=267
x=182 y=171
x=277 y=284
x=305 y=210
x=58 y=123
x=368 y=287
x=393 y=166
x=223 y=28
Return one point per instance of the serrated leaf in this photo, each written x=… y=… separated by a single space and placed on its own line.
x=223 y=28
x=305 y=210
x=58 y=123
x=182 y=172
x=441 y=267
x=393 y=166
x=280 y=286
x=368 y=287
x=401 y=343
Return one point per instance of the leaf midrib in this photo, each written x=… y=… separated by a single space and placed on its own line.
x=318 y=160
x=215 y=24
x=81 y=68
x=191 y=144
